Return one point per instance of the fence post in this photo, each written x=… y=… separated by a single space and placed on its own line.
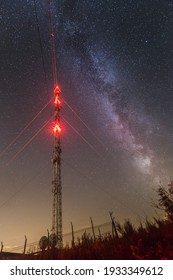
x=72 y=232
x=24 y=250
x=93 y=229
x=84 y=238
x=2 y=245
x=114 y=230
x=100 y=236
x=48 y=235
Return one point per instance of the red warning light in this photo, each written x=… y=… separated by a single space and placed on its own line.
x=57 y=128
x=57 y=91
x=57 y=101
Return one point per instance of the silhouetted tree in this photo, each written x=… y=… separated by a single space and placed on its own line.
x=165 y=201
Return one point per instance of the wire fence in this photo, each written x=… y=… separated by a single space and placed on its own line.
x=33 y=247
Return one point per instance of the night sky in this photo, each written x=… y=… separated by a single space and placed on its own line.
x=115 y=70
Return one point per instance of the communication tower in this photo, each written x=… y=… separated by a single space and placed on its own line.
x=56 y=232
x=56 y=236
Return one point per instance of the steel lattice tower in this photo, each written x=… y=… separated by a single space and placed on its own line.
x=57 y=188
x=55 y=238
x=56 y=232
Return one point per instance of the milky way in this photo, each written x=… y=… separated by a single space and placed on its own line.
x=99 y=58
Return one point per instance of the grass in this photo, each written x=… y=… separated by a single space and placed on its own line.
x=154 y=241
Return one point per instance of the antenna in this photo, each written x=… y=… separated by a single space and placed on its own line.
x=56 y=232
x=57 y=189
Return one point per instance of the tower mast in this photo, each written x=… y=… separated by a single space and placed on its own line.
x=56 y=232
x=57 y=188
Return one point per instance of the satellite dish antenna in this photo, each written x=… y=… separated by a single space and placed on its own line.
x=53 y=239
x=43 y=243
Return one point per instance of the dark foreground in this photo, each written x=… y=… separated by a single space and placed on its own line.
x=154 y=242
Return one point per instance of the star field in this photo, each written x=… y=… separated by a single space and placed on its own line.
x=115 y=64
